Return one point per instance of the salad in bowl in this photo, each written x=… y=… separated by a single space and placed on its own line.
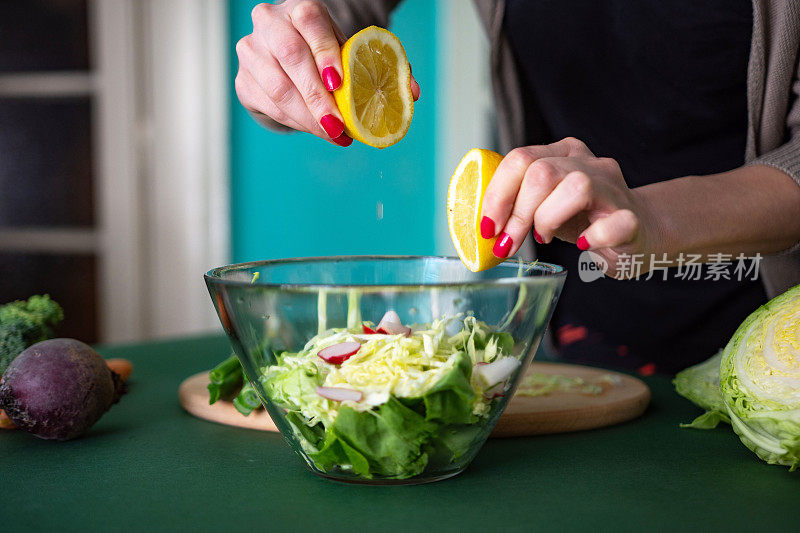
x=409 y=396
x=388 y=399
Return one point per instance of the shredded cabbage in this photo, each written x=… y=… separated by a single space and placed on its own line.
x=539 y=384
x=423 y=382
x=384 y=366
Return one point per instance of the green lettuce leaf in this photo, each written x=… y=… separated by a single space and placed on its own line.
x=388 y=441
x=700 y=385
x=456 y=439
x=336 y=452
x=450 y=400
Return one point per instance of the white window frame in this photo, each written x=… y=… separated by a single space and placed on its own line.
x=186 y=169
x=164 y=172
x=117 y=170
x=159 y=83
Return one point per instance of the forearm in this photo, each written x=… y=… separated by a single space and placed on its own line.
x=749 y=210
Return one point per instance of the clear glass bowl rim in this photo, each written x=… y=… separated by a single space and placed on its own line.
x=550 y=272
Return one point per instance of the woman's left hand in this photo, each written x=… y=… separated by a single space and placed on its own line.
x=563 y=191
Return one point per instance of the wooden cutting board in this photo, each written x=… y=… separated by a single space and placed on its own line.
x=623 y=398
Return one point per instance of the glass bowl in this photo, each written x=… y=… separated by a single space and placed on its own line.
x=407 y=407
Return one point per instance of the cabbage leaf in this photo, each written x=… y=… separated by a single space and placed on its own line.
x=450 y=400
x=700 y=385
x=387 y=441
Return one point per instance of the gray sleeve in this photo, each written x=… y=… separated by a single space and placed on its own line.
x=781 y=271
x=351 y=16
x=786 y=157
x=355 y=15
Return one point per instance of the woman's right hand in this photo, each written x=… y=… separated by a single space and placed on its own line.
x=290 y=64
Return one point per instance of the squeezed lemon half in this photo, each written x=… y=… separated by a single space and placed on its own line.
x=464 y=200
x=375 y=95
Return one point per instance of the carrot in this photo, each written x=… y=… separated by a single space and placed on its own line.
x=123 y=367
x=5 y=422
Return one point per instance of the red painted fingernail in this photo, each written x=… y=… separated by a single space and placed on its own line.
x=538 y=237
x=343 y=140
x=487 y=228
x=331 y=78
x=582 y=243
x=503 y=245
x=419 y=91
x=332 y=126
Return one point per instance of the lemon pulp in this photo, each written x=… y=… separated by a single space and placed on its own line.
x=375 y=96
x=464 y=201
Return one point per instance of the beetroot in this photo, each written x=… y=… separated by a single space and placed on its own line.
x=57 y=389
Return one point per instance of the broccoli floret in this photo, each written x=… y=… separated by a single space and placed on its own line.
x=26 y=322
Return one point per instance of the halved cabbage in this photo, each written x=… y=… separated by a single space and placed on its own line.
x=760 y=380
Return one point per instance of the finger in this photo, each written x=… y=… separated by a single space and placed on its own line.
x=541 y=177
x=504 y=186
x=313 y=22
x=573 y=195
x=252 y=97
x=416 y=92
x=343 y=139
x=276 y=85
x=619 y=228
x=573 y=148
x=294 y=56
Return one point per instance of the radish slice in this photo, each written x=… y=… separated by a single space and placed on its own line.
x=368 y=330
x=339 y=394
x=390 y=316
x=497 y=371
x=339 y=353
x=390 y=325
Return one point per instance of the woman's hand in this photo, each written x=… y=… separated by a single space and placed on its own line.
x=563 y=191
x=289 y=65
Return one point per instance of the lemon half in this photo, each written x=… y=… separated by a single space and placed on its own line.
x=375 y=95
x=464 y=200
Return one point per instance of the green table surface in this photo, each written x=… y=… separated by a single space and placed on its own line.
x=148 y=465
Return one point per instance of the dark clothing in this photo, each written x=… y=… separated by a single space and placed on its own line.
x=661 y=88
